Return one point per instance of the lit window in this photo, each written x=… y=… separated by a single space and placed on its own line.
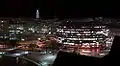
x=78 y=34
x=67 y=21
x=49 y=32
x=12 y=38
x=21 y=32
x=12 y=31
x=107 y=30
x=5 y=36
x=64 y=26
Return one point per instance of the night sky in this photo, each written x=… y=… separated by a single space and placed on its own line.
x=61 y=9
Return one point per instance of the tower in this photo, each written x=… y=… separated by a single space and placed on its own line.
x=37 y=14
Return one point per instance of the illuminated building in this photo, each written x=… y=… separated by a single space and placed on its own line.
x=4 y=29
x=15 y=29
x=83 y=34
x=30 y=29
x=37 y=14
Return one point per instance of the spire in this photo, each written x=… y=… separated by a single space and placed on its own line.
x=37 y=14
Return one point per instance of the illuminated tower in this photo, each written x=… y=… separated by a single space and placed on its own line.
x=37 y=14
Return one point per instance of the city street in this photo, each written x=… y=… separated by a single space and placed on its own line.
x=43 y=59
x=19 y=57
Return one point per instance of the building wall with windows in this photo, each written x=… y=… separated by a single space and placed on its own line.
x=4 y=29
x=87 y=34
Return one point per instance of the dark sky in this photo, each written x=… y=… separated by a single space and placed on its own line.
x=50 y=8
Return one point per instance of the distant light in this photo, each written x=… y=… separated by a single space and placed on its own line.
x=2 y=52
x=44 y=63
x=21 y=32
x=26 y=52
x=64 y=26
x=39 y=38
x=49 y=32
x=86 y=51
x=10 y=49
x=83 y=46
x=50 y=57
x=37 y=31
x=80 y=41
x=94 y=41
x=2 y=21
x=78 y=34
x=17 y=54
x=88 y=46
x=102 y=54
x=107 y=30
x=23 y=39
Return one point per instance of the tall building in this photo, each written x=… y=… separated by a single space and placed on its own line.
x=37 y=14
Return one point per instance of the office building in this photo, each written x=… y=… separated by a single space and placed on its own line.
x=83 y=34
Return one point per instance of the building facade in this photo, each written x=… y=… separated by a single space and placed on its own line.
x=83 y=34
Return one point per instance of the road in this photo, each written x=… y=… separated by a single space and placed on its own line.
x=42 y=59
x=37 y=59
x=30 y=60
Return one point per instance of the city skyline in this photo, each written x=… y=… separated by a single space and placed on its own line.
x=41 y=32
